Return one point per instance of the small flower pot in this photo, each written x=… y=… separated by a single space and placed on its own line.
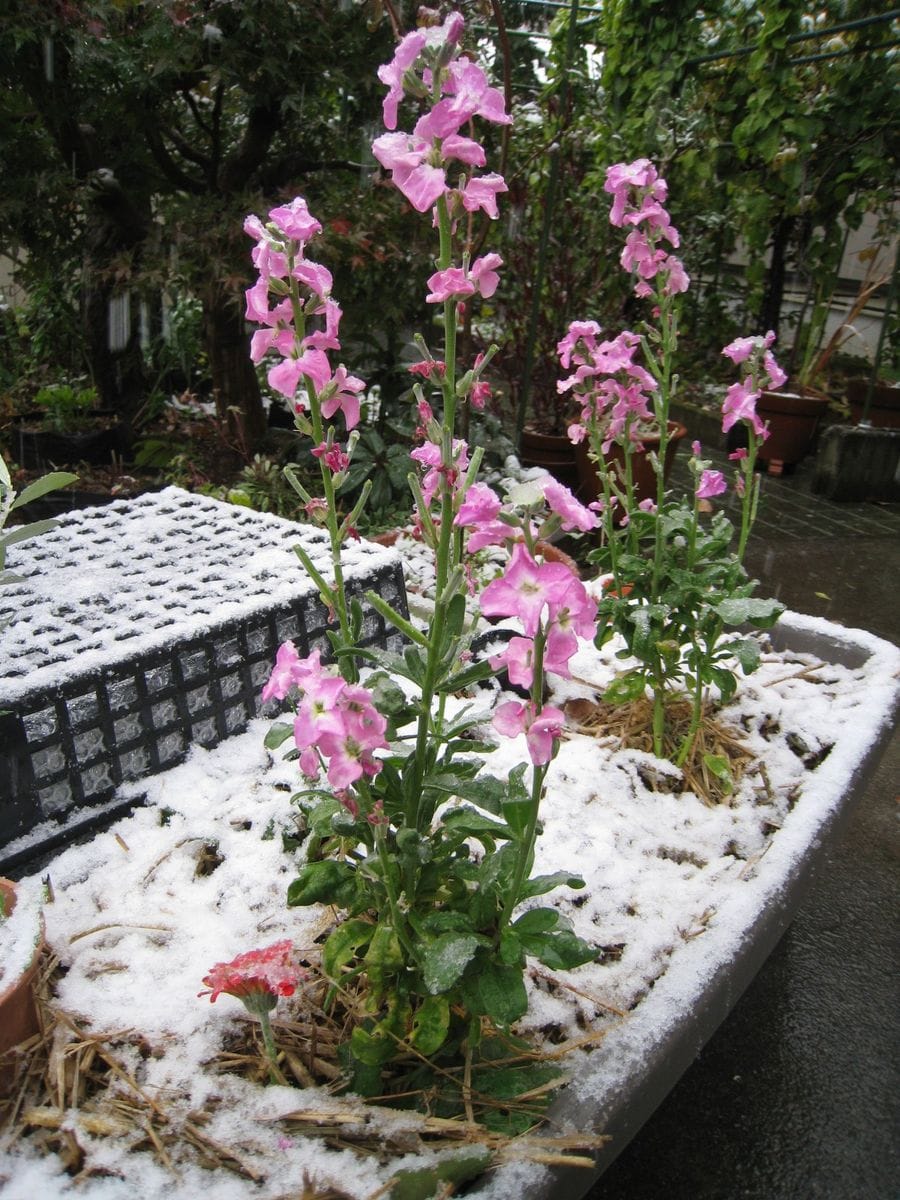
x=552 y=451
x=884 y=406
x=793 y=420
x=18 y=1011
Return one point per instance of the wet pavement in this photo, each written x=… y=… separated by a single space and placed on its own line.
x=798 y=1093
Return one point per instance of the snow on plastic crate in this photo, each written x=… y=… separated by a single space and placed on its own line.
x=138 y=629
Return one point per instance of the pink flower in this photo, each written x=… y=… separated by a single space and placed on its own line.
x=392 y=74
x=541 y=729
x=449 y=284
x=295 y=221
x=741 y=348
x=270 y=972
x=740 y=405
x=484 y=273
x=455 y=283
x=312 y=365
x=526 y=589
x=777 y=377
x=481 y=504
x=573 y=513
x=408 y=160
x=342 y=392
x=466 y=150
x=287 y=673
x=517 y=659
x=470 y=96
x=428 y=369
x=712 y=483
x=481 y=192
x=334 y=458
x=348 y=742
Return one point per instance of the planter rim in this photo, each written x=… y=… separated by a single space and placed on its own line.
x=639 y=1062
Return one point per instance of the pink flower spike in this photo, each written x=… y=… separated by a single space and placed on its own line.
x=712 y=483
x=696 y=449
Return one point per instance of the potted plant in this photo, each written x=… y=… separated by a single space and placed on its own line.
x=794 y=411
x=67 y=427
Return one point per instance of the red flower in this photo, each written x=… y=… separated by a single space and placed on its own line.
x=257 y=973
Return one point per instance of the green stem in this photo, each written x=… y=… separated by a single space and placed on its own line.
x=525 y=856
x=265 y=1026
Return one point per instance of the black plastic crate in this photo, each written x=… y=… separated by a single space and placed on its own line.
x=140 y=629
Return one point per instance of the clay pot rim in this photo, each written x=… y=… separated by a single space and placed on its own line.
x=9 y=890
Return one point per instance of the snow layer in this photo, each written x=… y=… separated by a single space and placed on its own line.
x=672 y=888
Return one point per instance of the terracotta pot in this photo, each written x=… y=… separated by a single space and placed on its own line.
x=641 y=469
x=18 y=1011
x=884 y=409
x=552 y=451
x=793 y=420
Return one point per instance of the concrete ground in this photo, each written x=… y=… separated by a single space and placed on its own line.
x=798 y=1094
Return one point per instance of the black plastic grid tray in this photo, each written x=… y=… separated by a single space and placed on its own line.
x=129 y=712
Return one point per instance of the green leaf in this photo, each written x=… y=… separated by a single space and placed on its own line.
x=560 y=950
x=496 y=991
x=749 y=610
x=540 y=920
x=428 y=1182
x=517 y=812
x=21 y=533
x=473 y=824
x=385 y=954
x=486 y=791
x=430 y=1024
x=446 y=959
x=344 y=944
x=718 y=765
x=326 y=882
x=541 y=884
x=511 y=951
x=40 y=487
x=277 y=735
x=626 y=688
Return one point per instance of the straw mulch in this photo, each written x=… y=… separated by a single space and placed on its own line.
x=74 y=1084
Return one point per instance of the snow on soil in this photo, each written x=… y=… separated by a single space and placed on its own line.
x=672 y=887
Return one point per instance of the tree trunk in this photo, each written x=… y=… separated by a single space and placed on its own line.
x=773 y=296
x=115 y=232
x=235 y=386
